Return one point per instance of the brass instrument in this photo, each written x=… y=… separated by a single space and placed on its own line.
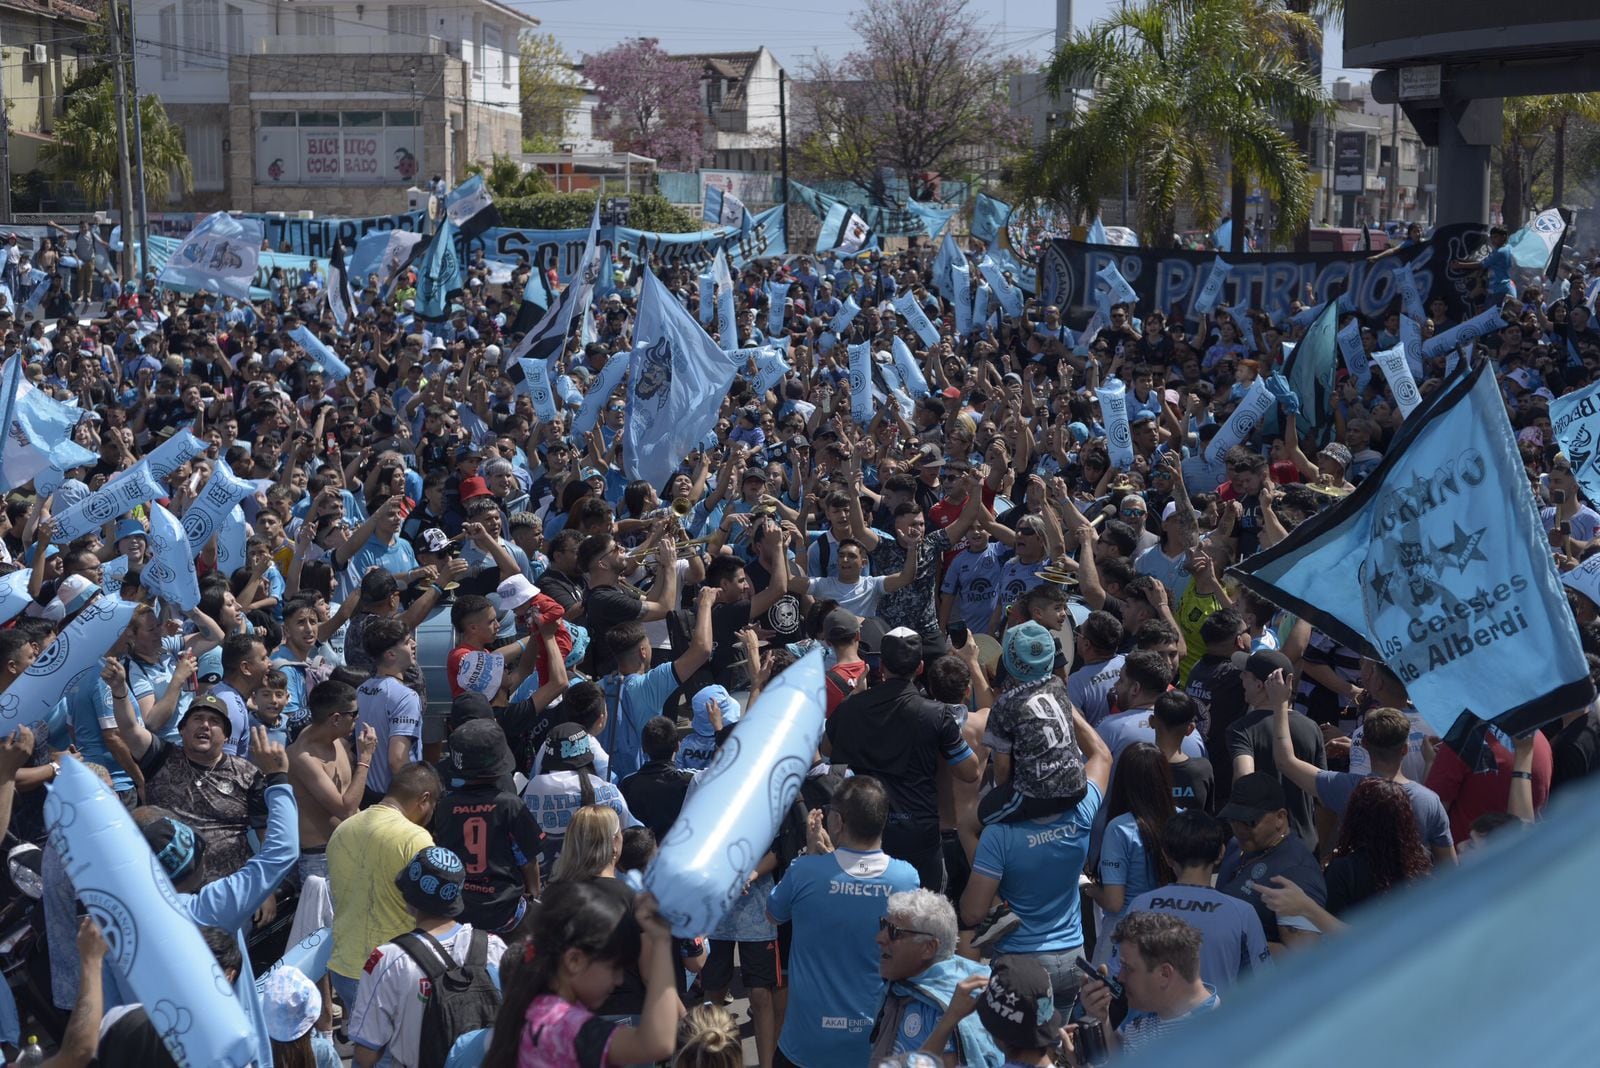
x=682 y=506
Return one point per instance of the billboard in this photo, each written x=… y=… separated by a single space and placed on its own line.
x=1350 y=161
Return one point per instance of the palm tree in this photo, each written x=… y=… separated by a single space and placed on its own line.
x=1531 y=124
x=85 y=146
x=1179 y=85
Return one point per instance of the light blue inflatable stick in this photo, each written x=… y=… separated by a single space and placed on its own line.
x=734 y=808
x=156 y=948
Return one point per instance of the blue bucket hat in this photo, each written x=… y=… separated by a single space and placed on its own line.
x=432 y=882
x=701 y=703
x=1029 y=653
x=129 y=528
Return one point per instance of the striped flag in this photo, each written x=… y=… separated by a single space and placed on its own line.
x=723 y=208
x=548 y=337
x=340 y=302
x=384 y=254
x=470 y=207
x=843 y=231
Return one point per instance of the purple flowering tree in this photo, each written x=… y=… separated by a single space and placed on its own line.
x=649 y=102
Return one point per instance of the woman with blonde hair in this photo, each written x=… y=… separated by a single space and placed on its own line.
x=708 y=1037
x=591 y=847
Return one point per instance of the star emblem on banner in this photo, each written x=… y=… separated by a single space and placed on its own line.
x=1463 y=548
x=1380 y=586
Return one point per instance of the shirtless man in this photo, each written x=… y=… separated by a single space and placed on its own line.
x=327 y=778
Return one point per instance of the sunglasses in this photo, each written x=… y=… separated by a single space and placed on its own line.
x=896 y=933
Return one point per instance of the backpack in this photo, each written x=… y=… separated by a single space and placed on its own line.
x=461 y=998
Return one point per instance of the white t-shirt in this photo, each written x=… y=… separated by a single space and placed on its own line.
x=1413 y=765
x=554 y=796
x=860 y=597
x=393 y=995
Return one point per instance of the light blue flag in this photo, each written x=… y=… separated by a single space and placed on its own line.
x=37 y=289
x=677 y=380
x=989 y=217
x=1210 y=294
x=1009 y=296
x=173 y=453
x=470 y=207
x=910 y=373
x=116 y=498
x=606 y=284
x=1575 y=420
x=948 y=257
x=1222 y=238
x=1310 y=372
x=777 y=294
x=1354 y=353
x=536 y=384
x=708 y=298
x=38 y=431
x=933 y=217
x=1097 y=322
x=1438 y=564
x=961 y=284
x=916 y=317
x=845 y=231
x=231 y=540
x=1405 y=281
x=568 y=392
x=1116 y=287
x=846 y=315
x=861 y=406
x=77 y=650
x=1025 y=275
x=1113 y=396
x=1307 y=316
x=1097 y=233
x=219 y=256
x=438 y=274
x=333 y=368
x=600 y=391
x=772 y=367
x=170 y=572
x=722 y=208
x=1486 y=322
x=1574 y=359
x=981 y=299
x=1241 y=319
x=1532 y=246
x=216 y=499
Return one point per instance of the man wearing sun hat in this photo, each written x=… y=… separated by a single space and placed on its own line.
x=400 y=977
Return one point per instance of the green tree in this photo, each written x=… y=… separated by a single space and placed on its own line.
x=549 y=90
x=85 y=148
x=572 y=211
x=1185 y=91
x=507 y=180
x=1534 y=143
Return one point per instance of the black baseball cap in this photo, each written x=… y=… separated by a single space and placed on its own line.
x=1254 y=796
x=1263 y=662
x=1018 y=1007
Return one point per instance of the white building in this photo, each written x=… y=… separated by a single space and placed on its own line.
x=337 y=107
x=739 y=91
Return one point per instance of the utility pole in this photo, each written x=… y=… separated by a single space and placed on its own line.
x=5 y=152
x=138 y=152
x=124 y=164
x=783 y=143
x=1394 y=161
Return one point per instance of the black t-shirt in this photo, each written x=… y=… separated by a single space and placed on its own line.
x=900 y=738
x=727 y=652
x=1193 y=784
x=603 y=608
x=1214 y=680
x=132 y=1041
x=655 y=795
x=494 y=834
x=564 y=591
x=1290 y=858
x=1350 y=882
x=1252 y=735
x=783 y=618
x=1574 y=754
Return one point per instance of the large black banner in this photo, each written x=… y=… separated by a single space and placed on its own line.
x=1169 y=279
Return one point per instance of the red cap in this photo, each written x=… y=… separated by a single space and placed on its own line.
x=952 y=392
x=473 y=488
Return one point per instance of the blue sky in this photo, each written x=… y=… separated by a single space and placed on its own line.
x=794 y=30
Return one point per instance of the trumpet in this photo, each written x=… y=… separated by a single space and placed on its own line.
x=686 y=549
x=682 y=506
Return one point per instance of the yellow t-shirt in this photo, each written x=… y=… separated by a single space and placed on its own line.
x=365 y=853
x=1193 y=608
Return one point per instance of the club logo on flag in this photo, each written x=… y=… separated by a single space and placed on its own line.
x=655 y=379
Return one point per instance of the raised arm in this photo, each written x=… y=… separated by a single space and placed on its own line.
x=1302 y=773
x=135 y=734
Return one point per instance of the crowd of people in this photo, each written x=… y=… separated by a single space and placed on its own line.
x=1075 y=784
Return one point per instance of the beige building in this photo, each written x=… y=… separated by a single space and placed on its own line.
x=43 y=45
x=332 y=107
